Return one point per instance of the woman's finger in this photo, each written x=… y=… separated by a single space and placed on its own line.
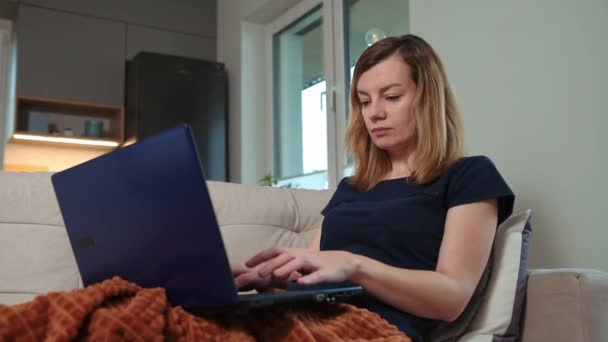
x=251 y=280
x=285 y=270
x=264 y=256
x=242 y=280
x=238 y=269
x=312 y=278
x=272 y=265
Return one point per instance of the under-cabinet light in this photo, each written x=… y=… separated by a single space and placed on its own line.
x=65 y=140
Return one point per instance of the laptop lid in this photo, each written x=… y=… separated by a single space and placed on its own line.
x=143 y=213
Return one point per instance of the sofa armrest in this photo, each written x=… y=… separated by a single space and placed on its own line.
x=566 y=305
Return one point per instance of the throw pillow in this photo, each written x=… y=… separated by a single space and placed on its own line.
x=500 y=315
x=495 y=309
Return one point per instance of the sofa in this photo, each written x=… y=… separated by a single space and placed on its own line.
x=35 y=255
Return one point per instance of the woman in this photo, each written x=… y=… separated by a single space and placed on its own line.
x=415 y=223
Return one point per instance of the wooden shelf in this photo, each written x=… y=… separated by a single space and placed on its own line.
x=47 y=121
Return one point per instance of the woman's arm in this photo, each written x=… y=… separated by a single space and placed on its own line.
x=440 y=294
x=443 y=293
x=315 y=244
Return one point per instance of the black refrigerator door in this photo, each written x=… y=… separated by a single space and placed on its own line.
x=171 y=90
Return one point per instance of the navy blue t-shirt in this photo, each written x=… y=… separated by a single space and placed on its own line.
x=402 y=225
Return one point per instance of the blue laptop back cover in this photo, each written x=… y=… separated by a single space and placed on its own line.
x=143 y=213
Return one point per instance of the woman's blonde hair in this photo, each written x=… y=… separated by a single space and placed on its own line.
x=438 y=128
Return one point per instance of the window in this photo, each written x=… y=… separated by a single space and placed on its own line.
x=315 y=46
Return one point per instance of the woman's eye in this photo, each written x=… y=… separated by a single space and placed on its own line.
x=364 y=103
x=393 y=97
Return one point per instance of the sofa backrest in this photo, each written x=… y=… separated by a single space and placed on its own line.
x=253 y=218
x=35 y=255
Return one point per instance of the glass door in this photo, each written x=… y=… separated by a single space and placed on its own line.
x=299 y=97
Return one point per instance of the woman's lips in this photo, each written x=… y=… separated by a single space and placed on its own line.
x=379 y=132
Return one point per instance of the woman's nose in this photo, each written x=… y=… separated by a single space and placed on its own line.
x=377 y=111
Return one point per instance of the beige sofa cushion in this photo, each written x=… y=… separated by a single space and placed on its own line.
x=35 y=255
x=566 y=305
x=253 y=218
x=35 y=259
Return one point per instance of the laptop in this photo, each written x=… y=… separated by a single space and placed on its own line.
x=143 y=212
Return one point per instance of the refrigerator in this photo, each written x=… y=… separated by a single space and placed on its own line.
x=163 y=91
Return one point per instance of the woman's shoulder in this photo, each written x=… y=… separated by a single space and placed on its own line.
x=343 y=192
x=344 y=182
x=473 y=161
x=471 y=165
x=476 y=170
x=476 y=178
x=470 y=169
x=345 y=185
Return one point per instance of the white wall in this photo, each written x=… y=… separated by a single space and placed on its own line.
x=230 y=15
x=255 y=131
x=531 y=79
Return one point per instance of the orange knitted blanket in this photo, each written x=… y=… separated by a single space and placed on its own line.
x=118 y=310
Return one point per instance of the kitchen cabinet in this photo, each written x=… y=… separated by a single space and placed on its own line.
x=70 y=57
x=140 y=39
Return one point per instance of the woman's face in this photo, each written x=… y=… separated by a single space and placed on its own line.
x=386 y=94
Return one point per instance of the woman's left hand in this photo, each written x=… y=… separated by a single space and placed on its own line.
x=324 y=266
